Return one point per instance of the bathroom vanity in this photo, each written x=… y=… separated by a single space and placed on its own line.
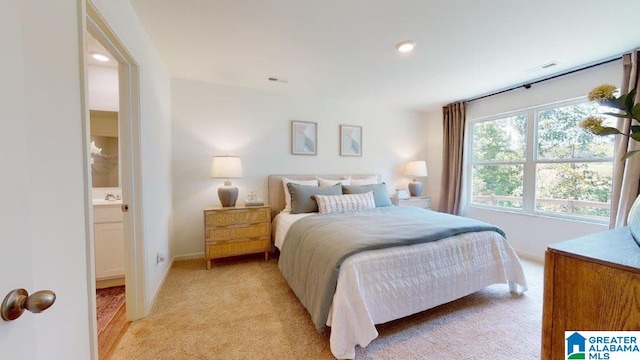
x=108 y=243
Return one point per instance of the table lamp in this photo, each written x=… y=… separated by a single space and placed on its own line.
x=416 y=169
x=227 y=167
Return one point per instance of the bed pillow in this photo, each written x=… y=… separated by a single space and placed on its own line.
x=366 y=181
x=329 y=182
x=380 y=194
x=345 y=203
x=287 y=196
x=302 y=200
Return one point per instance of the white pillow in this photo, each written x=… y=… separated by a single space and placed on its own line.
x=328 y=182
x=343 y=203
x=287 y=195
x=366 y=181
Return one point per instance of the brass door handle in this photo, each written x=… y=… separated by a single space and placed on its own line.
x=19 y=300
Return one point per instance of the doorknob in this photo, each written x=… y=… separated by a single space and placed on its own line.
x=18 y=300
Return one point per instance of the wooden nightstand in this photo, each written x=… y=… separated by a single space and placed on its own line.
x=234 y=231
x=417 y=201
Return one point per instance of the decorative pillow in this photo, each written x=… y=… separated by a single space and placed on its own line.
x=380 y=193
x=302 y=196
x=328 y=182
x=345 y=203
x=366 y=181
x=287 y=196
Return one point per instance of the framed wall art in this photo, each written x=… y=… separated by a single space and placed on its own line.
x=304 y=138
x=350 y=140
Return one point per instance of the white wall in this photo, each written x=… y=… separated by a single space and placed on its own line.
x=213 y=119
x=103 y=88
x=433 y=149
x=155 y=138
x=531 y=234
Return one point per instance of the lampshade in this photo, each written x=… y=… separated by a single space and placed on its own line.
x=416 y=168
x=226 y=167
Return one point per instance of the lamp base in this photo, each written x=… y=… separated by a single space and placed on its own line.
x=228 y=195
x=415 y=188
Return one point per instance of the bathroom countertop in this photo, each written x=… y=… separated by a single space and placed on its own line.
x=102 y=202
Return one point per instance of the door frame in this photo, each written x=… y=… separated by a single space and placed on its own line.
x=130 y=163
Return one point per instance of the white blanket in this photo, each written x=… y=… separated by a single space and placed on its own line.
x=378 y=286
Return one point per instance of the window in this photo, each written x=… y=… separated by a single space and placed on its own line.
x=539 y=160
x=498 y=161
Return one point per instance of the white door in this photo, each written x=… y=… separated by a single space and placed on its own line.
x=15 y=244
x=43 y=229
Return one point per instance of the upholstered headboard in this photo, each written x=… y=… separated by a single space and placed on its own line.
x=275 y=195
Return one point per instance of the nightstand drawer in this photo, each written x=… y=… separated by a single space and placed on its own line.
x=236 y=231
x=236 y=217
x=226 y=233
x=240 y=246
x=418 y=201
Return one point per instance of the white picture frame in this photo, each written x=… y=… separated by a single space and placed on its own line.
x=350 y=140
x=304 y=138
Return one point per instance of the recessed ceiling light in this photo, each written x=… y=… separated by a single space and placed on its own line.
x=406 y=46
x=99 y=57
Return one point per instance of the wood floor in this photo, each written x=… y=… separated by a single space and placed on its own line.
x=108 y=338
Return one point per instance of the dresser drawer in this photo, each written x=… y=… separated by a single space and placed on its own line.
x=237 y=247
x=226 y=233
x=236 y=231
x=236 y=217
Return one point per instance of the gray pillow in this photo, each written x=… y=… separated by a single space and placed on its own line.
x=301 y=196
x=380 y=194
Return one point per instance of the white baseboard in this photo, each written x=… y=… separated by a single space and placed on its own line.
x=531 y=257
x=188 y=257
x=154 y=297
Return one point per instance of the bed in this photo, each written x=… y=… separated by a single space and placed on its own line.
x=380 y=285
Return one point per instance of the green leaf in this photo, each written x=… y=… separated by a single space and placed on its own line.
x=617 y=115
x=636 y=111
x=629 y=154
x=635 y=136
x=614 y=103
x=607 y=130
x=635 y=129
x=628 y=103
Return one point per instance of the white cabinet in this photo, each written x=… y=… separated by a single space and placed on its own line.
x=108 y=241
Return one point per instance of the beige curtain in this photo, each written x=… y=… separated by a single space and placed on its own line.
x=626 y=174
x=453 y=122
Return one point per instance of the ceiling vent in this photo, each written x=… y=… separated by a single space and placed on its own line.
x=542 y=67
x=274 y=79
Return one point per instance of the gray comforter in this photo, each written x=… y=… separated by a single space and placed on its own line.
x=315 y=246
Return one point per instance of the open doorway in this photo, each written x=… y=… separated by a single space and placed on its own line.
x=108 y=228
x=112 y=132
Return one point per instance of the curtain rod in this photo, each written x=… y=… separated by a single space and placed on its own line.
x=528 y=85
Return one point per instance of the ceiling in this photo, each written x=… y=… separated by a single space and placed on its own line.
x=102 y=78
x=345 y=49
x=93 y=46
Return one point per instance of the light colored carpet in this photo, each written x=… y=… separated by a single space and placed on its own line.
x=243 y=309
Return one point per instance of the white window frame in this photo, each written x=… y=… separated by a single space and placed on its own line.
x=529 y=164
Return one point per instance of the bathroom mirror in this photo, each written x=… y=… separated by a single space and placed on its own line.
x=105 y=164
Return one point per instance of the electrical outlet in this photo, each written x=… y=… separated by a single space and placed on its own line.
x=160 y=257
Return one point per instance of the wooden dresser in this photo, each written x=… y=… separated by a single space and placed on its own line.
x=234 y=231
x=590 y=283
